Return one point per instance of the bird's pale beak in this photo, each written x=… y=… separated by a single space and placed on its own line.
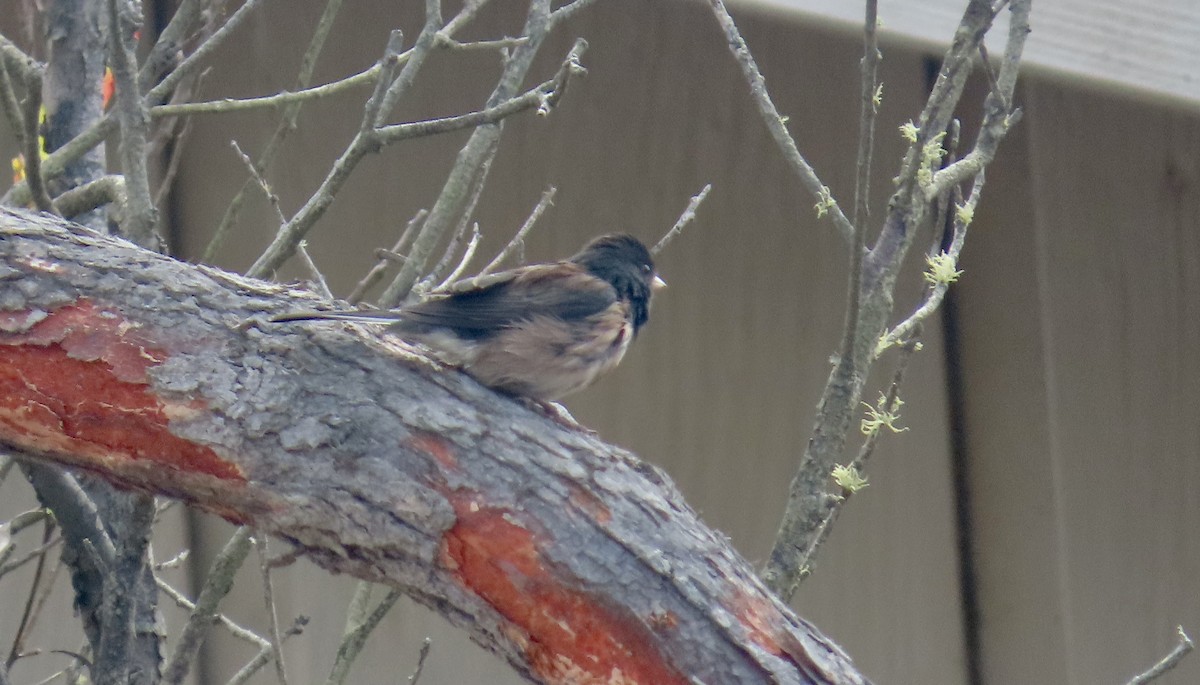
x=658 y=283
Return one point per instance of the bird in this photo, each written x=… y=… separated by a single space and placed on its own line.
x=541 y=331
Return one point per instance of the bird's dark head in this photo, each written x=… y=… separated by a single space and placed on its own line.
x=624 y=261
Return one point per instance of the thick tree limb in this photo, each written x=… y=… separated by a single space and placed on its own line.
x=570 y=558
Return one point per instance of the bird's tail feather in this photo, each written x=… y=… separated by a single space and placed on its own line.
x=382 y=316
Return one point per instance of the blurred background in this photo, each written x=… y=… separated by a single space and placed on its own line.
x=1036 y=523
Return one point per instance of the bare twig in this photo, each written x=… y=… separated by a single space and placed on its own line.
x=54 y=165
x=394 y=90
x=866 y=140
x=518 y=240
x=175 y=136
x=260 y=542
x=217 y=583
x=23 y=625
x=498 y=44
x=908 y=211
x=164 y=53
x=104 y=190
x=468 y=255
x=775 y=122
x=29 y=556
x=891 y=404
x=435 y=274
x=11 y=106
x=264 y=654
x=937 y=290
x=688 y=216
x=162 y=91
x=140 y=216
x=358 y=629
x=33 y=147
x=547 y=92
x=421 y=657
x=258 y=179
x=869 y=98
x=568 y=10
x=313 y=271
x=372 y=277
x=291 y=232
x=20 y=66
x=234 y=629
x=387 y=67
x=1168 y=662
x=282 y=99
x=174 y=562
x=479 y=148
x=287 y=122
x=114 y=662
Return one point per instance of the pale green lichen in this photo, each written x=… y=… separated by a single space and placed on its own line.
x=941 y=269
x=880 y=416
x=848 y=478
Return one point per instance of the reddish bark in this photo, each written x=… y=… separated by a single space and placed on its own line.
x=572 y=559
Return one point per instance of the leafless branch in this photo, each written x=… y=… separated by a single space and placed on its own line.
x=265 y=187
x=869 y=98
x=500 y=43
x=891 y=404
x=689 y=215
x=282 y=99
x=164 y=53
x=1170 y=661
x=174 y=136
x=394 y=90
x=776 y=123
x=23 y=625
x=364 y=141
x=104 y=190
x=265 y=653
x=474 y=155
x=11 y=107
x=37 y=553
x=260 y=542
x=217 y=583
x=140 y=216
x=313 y=271
x=287 y=122
x=174 y=562
x=908 y=210
x=467 y=256
x=421 y=657
x=518 y=239
x=33 y=147
x=358 y=629
x=376 y=273
x=435 y=274
x=54 y=165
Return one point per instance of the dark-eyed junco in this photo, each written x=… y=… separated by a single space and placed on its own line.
x=540 y=331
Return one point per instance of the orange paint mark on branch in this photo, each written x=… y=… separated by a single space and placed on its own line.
x=766 y=627
x=569 y=635
x=76 y=382
x=435 y=446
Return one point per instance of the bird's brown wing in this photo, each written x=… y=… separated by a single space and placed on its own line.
x=562 y=290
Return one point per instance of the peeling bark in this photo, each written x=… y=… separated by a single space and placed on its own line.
x=570 y=558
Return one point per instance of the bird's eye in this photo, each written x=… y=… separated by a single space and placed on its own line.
x=646 y=269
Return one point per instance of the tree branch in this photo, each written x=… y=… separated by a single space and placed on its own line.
x=808 y=494
x=776 y=124
x=1182 y=648
x=375 y=461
